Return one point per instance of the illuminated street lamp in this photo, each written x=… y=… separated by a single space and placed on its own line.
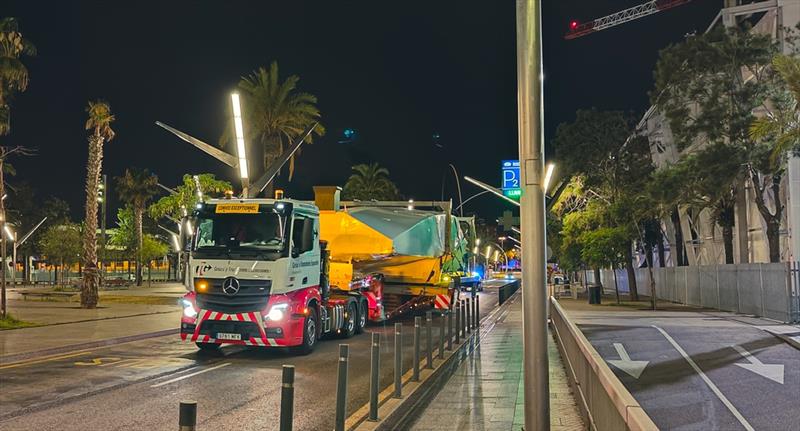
x=12 y=236
x=240 y=149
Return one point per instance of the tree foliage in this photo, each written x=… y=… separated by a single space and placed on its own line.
x=185 y=198
x=275 y=113
x=137 y=188
x=61 y=244
x=13 y=72
x=370 y=182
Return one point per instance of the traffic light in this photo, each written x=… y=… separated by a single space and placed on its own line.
x=101 y=192
x=573 y=25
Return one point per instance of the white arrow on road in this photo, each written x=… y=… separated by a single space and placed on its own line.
x=773 y=372
x=624 y=363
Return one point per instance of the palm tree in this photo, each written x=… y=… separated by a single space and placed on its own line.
x=370 y=182
x=782 y=122
x=137 y=188
x=99 y=123
x=275 y=114
x=13 y=73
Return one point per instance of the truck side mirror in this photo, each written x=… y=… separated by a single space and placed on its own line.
x=307 y=241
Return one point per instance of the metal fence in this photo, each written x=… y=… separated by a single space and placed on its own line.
x=769 y=290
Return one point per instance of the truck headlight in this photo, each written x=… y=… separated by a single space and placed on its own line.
x=277 y=311
x=188 y=308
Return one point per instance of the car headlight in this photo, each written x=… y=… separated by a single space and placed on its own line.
x=277 y=311
x=188 y=308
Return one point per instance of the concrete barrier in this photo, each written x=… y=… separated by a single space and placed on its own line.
x=604 y=402
x=505 y=292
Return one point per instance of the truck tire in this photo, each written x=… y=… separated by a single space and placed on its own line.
x=208 y=347
x=310 y=334
x=362 y=316
x=351 y=323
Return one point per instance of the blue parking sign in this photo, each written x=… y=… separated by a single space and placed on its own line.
x=510 y=171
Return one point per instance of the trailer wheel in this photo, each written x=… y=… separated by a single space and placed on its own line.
x=362 y=316
x=351 y=323
x=310 y=334
x=208 y=347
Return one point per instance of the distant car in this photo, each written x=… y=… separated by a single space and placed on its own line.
x=560 y=279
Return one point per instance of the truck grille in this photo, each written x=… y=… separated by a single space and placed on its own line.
x=252 y=296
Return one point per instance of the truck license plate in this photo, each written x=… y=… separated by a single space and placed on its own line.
x=227 y=336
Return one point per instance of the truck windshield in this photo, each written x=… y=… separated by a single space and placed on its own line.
x=262 y=231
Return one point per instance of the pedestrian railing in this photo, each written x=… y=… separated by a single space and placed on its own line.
x=602 y=399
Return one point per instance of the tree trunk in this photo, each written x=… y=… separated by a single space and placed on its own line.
x=616 y=283
x=631 y=273
x=138 y=215
x=773 y=221
x=727 y=241
x=149 y=273
x=597 y=281
x=677 y=254
x=3 y=304
x=89 y=288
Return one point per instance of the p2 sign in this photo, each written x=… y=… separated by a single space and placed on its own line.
x=510 y=170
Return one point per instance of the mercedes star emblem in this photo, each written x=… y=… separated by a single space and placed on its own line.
x=230 y=286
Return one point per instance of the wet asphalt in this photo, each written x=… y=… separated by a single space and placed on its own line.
x=138 y=385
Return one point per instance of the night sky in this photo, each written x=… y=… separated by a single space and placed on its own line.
x=396 y=72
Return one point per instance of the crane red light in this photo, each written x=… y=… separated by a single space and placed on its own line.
x=650 y=7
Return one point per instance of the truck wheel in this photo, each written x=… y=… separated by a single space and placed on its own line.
x=310 y=334
x=351 y=323
x=362 y=317
x=208 y=347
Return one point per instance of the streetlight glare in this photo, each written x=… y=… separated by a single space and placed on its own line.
x=488 y=251
x=239 y=130
x=548 y=175
x=9 y=233
x=477 y=241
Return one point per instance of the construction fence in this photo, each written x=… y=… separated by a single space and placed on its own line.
x=770 y=290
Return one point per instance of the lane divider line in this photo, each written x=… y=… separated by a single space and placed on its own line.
x=225 y=364
x=39 y=361
x=707 y=380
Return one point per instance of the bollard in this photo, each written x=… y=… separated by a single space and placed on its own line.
x=187 y=416
x=429 y=339
x=441 y=337
x=287 y=398
x=450 y=329
x=469 y=314
x=478 y=312
x=341 y=388
x=375 y=366
x=458 y=322
x=417 y=323
x=464 y=318
x=398 y=360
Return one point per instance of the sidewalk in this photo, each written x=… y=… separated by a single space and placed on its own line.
x=66 y=325
x=485 y=392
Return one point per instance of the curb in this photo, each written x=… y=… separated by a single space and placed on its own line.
x=400 y=413
x=12 y=359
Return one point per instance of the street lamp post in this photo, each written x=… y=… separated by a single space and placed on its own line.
x=536 y=390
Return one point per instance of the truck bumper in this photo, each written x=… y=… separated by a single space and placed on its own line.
x=250 y=328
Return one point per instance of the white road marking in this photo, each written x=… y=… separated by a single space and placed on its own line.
x=624 y=363
x=773 y=372
x=708 y=381
x=190 y=375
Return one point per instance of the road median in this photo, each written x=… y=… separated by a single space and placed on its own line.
x=603 y=400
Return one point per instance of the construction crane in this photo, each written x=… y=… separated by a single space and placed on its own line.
x=577 y=29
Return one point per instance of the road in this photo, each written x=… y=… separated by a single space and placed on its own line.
x=698 y=371
x=137 y=385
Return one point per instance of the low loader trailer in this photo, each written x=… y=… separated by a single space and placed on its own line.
x=286 y=273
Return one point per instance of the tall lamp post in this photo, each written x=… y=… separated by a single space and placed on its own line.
x=536 y=388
